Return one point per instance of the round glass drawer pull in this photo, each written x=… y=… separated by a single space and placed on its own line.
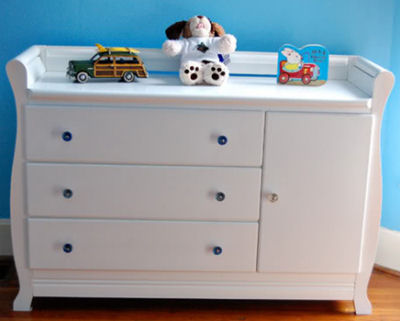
x=222 y=140
x=217 y=250
x=67 y=248
x=67 y=193
x=66 y=136
x=273 y=197
x=220 y=196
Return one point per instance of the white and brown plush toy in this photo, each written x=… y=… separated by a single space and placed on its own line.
x=203 y=45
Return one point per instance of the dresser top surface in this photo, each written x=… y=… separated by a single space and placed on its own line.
x=240 y=92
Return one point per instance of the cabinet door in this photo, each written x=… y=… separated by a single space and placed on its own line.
x=314 y=187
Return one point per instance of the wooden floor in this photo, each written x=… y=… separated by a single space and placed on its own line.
x=384 y=292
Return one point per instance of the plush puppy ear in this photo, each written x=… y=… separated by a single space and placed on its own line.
x=216 y=30
x=174 y=31
x=186 y=30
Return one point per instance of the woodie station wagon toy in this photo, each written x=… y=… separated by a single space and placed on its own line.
x=115 y=62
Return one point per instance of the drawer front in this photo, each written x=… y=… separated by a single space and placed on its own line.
x=144 y=192
x=144 y=136
x=141 y=245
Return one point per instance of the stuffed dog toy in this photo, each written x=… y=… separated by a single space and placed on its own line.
x=203 y=45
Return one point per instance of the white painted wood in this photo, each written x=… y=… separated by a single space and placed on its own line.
x=255 y=92
x=200 y=290
x=363 y=80
x=373 y=204
x=388 y=253
x=363 y=73
x=5 y=237
x=297 y=279
x=23 y=300
x=144 y=136
x=159 y=90
x=239 y=285
x=317 y=164
x=142 y=245
x=19 y=78
x=356 y=87
x=56 y=59
x=144 y=192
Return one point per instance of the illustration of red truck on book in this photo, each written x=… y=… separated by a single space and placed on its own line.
x=302 y=68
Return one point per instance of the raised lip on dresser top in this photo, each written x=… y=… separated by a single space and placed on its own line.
x=349 y=89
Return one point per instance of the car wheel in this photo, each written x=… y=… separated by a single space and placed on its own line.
x=82 y=77
x=283 y=78
x=128 y=76
x=306 y=79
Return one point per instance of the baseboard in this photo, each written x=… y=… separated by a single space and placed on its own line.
x=386 y=270
x=388 y=254
x=5 y=237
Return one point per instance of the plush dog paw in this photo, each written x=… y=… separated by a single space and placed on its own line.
x=227 y=44
x=191 y=73
x=171 y=47
x=215 y=74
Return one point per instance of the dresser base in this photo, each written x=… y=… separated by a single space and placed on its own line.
x=198 y=289
x=194 y=290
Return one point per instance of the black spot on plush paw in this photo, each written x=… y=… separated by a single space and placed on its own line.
x=215 y=74
x=190 y=73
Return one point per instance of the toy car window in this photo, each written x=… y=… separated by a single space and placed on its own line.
x=104 y=60
x=95 y=57
x=127 y=60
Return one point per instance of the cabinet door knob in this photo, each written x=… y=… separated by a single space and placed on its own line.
x=220 y=196
x=273 y=197
x=67 y=248
x=217 y=250
x=67 y=193
x=222 y=140
x=66 y=136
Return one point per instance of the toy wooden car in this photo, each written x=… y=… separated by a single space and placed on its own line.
x=116 y=62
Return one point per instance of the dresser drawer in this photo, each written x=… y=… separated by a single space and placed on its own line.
x=143 y=136
x=141 y=245
x=143 y=192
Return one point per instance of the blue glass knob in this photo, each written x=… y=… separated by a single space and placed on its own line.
x=217 y=250
x=222 y=140
x=220 y=196
x=66 y=136
x=67 y=248
x=67 y=193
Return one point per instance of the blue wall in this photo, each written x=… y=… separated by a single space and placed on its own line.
x=391 y=138
x=363 y=27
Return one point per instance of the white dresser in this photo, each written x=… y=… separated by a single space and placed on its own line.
x=252 y=190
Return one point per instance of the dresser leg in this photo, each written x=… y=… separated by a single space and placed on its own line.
x=362 y=306
x=23 y=301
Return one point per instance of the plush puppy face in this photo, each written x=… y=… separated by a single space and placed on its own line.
x=197 y=26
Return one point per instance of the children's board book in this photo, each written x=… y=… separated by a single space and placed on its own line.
x=303 y=66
